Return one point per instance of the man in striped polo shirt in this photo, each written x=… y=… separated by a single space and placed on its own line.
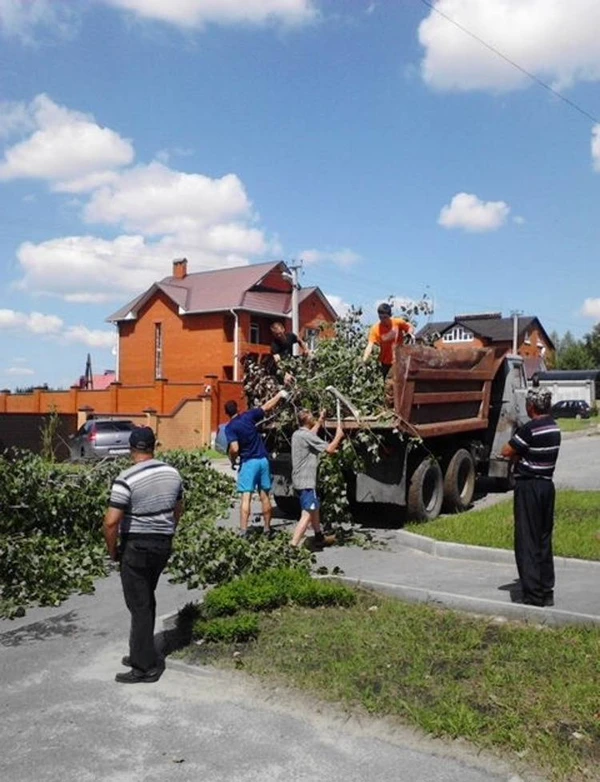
x=144 y=508
x=534 y=449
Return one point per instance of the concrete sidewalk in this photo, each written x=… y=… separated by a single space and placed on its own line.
x=469 y=578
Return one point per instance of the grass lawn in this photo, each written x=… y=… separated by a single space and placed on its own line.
x=576 y=525
x=577 y=424
x=526 y=691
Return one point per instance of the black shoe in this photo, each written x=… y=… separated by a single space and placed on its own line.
x=270 y=533
x=318 y=541
x=549 y=600
x=139 y=677
x=126 y=661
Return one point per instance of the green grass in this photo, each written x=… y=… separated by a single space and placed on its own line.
x=577 y=424
x=576 y=526
x=526 y=691
x=210 y=453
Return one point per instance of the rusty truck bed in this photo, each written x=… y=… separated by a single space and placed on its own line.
x=439 y=391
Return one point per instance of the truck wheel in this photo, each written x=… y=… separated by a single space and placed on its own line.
x=426 y=491
x=289 y=506
x=459 y=482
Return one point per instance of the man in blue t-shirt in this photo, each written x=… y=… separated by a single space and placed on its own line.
x=254 y=474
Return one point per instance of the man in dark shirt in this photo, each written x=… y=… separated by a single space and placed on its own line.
x=534 y=448
x=283 y=343
x=244 y=441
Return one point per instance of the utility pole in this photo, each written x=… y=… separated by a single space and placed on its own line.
x=295 y=309
x=515 y=316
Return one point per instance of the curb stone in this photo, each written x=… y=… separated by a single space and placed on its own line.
x=476 y=605
x=448 y=550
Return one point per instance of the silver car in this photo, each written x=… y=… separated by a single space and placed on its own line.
x=101 y=438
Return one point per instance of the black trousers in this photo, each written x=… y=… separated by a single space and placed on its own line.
x=143 y=558
x=534 y=521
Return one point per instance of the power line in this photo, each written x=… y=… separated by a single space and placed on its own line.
x=514 y=64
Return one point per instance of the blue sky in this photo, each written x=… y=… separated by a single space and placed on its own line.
x=377 y=141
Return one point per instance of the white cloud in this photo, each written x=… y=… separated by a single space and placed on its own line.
x=93 y=338
x=596 y=147
x=34 y=322
x=15 y=118
x=211 y=221
x=67 y=148
x=338 y=304
x=591 y=308
x=197 y=13
x=19 y=371
x=343 y=258
x=157 y=200
x=53 y=327
x=553 y=39
x=23 y=18
x=87 y=269
x=469 y=212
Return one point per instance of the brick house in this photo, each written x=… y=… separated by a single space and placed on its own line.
x=190 y=326
x=491 y=329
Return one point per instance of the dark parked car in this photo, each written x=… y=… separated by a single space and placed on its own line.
x=101 y=437
x=571 y=408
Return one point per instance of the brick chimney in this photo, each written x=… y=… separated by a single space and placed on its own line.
x=180 y=268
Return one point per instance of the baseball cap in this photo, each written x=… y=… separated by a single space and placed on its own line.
x=384 y=309
x=142 y=439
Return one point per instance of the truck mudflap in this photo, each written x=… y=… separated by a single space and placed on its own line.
x=383 y=481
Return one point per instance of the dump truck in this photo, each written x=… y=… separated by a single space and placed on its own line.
x=450 y=412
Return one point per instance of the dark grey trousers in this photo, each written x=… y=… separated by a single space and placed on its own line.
x=534 y=521
x=143 y=558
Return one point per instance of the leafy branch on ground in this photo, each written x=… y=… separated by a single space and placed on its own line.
x=51 y=542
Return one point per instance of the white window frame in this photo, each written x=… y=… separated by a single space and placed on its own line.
x=158 y=351
x=311 y=337
x=254 y=333
x=458 y=334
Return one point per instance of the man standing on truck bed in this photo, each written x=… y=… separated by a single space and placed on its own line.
x=283 y=343
x=306 y=449
x=534 y=449
x=387 y=334
x=244 y=440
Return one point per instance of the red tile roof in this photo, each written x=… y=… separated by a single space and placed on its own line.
x=222 y=289
x=211 y=291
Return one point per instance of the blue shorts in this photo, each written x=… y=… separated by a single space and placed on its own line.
x=308 y=499
x=254 y=475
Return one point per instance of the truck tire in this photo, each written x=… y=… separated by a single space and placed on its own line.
x=289 y=506
x=459 y=482
x=426 y=491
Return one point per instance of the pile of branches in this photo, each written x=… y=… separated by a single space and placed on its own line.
x=337 y=361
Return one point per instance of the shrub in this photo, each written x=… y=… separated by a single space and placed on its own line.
x=228 y=629
x=272 y=589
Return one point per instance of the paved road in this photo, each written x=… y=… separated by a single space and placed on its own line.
x=64 y=719
x=578 y=464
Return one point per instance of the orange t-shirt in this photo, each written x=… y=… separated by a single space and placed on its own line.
x=378 y=330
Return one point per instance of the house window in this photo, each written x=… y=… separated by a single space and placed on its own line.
x=228 y=327
x=458 y=334
x=254 y=333
x=158 y=351
x=311 y=337
x=527 y=338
